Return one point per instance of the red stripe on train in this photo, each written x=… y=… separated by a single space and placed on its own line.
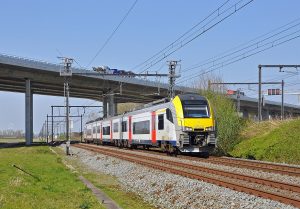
x=153 y=131
x=129 y=129
x=111 y=130
x=101 y=134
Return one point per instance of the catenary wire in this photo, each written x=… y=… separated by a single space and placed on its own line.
x=195 y=35
x=112 y=34
x=236 y=7
x=184 y=34
x=255 y=46
x=244 y=55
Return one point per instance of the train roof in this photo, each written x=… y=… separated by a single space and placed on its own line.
x=191 y=96
x=91 y=121
x=146 y=108
x=159 y=103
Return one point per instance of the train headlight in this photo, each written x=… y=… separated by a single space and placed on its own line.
x=186 y=128
x=210 y=128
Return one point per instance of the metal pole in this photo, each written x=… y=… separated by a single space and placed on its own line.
x=47 y=131
x=81 y=128
x=238 y=100
x=67 y=119
x=44 y=131
x=259 y=94
x=67 y=72
x=52 y=124
x=172 y=77
x=282 y=100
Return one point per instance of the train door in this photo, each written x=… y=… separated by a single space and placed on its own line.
x=98 y=133
x=124 y=135
x=161 y=125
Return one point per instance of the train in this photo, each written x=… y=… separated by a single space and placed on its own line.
x=185 y=124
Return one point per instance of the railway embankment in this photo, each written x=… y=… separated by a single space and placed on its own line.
x=274 y=141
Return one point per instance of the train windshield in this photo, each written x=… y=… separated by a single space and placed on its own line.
x=195 y=109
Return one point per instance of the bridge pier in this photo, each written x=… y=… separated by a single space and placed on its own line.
x=28 y=113
x=111 y=105
x=116 y=108
x=104 y=107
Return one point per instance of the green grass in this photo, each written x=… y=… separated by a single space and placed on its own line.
x=11 y=140
x=109 y=185
x=19 y=140
x=271 y=141
x=54 y=187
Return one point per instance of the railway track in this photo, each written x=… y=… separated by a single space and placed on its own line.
x=239 y=163
x=282 y=192
x=256 y=165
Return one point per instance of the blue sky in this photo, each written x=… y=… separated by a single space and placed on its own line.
x=44 y=29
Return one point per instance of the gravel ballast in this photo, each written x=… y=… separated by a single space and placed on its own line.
x=244 y=171
x=165 y=190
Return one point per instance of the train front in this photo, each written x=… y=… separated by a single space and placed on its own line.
x=195 y=129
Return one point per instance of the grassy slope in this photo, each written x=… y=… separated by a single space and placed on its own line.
x=272 y=141
x=57 y=188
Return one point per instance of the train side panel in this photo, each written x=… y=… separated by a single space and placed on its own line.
x=141 y=126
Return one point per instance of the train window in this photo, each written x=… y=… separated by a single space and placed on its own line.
x=106 y=130
x=141 y=127
x=124 y=126
x=195 y=109
x=116 y=127
x=169 y=115
x=94 y=129
x=98 y=129
x=161 y=122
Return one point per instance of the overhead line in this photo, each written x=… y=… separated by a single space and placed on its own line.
x=112 y=34
x=183 y=43
x=256 y=45
x=166 y=47
x=195 y=67
x=244 y=57
x=223 y=64
x=236 y=9
x=224 y=54
x=188 y=31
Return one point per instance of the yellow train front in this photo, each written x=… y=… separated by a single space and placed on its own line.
x=195 y=128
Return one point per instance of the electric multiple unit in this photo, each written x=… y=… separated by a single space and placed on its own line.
x=184 y=124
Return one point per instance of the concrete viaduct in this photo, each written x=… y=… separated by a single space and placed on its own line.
x=37 y=77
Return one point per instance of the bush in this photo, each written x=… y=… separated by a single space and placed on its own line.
x=229 y=124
